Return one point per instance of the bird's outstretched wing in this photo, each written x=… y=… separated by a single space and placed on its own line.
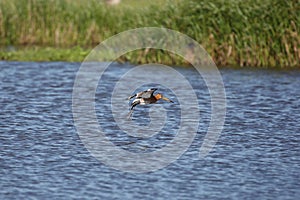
x=144 y=94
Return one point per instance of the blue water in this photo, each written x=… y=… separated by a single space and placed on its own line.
x=42 y=156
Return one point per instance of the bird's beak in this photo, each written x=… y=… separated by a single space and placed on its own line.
x=168 y=100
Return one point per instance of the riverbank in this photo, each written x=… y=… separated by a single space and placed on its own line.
x=235 y=33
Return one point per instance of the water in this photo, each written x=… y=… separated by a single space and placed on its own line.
x=42 y=157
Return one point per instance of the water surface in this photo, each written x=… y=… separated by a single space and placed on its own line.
x=42 y=156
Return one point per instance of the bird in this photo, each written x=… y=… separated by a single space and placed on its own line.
x=146 y=97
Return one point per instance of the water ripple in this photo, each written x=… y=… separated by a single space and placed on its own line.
x=42 y=157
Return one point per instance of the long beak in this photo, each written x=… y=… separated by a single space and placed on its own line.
x=168 y=100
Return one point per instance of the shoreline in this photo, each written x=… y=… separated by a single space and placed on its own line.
x=78 y=54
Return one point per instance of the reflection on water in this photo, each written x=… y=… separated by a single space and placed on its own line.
x=41 y=156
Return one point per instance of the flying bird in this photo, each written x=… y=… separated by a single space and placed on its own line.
x=146 y=97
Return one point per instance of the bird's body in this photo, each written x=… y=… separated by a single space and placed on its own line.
x=146 y=97
x=144 y=101
x=144 y=94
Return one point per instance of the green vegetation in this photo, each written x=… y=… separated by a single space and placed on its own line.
x=234 y=32
x=75 y=54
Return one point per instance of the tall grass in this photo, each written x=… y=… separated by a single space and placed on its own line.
x=234 y=32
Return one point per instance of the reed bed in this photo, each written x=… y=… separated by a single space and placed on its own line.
x=234 y=32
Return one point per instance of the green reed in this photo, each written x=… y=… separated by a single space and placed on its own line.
x=234 y=32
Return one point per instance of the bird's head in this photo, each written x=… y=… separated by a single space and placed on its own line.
x=160 y=96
